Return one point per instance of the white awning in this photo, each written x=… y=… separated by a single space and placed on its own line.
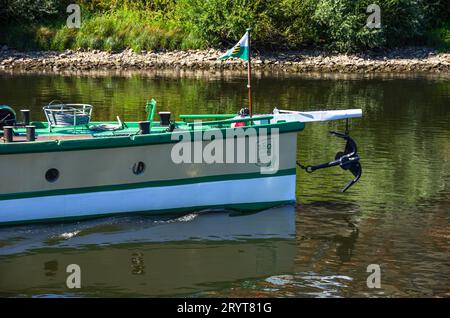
x=311 y=116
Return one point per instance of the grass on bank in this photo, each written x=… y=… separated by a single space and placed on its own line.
x=110 y=31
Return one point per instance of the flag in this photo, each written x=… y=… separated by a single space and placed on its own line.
x=240 y=50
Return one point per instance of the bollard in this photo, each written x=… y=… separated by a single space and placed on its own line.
x=165 y=118
x=8 y=133
x=144 y=127
x=25 y=116
x=31 y=133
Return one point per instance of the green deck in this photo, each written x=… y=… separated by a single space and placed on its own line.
x=129 y=136
x=132 y=128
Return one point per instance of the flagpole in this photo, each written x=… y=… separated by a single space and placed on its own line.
x=249 y=68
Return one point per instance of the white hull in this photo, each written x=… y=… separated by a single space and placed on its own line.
x=195 y=195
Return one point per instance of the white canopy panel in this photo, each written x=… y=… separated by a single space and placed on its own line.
x=311 y=116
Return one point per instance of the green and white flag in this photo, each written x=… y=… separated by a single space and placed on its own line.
x=240 y=50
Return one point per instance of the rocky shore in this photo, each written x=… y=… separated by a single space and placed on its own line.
x=393 y=61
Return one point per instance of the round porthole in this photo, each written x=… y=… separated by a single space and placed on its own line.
x=52 y=175
x=138 y=168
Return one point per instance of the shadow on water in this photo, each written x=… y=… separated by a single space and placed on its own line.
x=151 y=256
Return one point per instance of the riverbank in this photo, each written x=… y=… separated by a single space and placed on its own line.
x=393 y=61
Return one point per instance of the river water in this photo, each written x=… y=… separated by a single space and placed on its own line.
x=396 y=217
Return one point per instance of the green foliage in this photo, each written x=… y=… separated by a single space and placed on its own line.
x=120 y=29
x=440 y=37
x=64 y=38
x=295 y=20
x=334 y=24
x=403 y=21
x=223 y=22
x=113 y=25
x=44 y=37
x=162 y=6
x=20 y=11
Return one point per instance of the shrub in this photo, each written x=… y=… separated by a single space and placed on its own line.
x=64 y=38
x=440 y=37
x=218 y=22
x=23 y=11
x=183 y=24
x=43 y=37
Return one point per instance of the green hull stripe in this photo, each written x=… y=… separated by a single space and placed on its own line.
x=245 y=207
x=207 y=116
x=116 y=142
x=161 y=183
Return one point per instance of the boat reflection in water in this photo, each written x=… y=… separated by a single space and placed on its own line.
x=147 y=256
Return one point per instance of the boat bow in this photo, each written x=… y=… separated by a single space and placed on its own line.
x=347 y=159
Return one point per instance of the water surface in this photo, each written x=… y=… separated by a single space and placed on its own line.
x=397 y=216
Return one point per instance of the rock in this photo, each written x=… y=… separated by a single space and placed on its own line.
x=399 y=60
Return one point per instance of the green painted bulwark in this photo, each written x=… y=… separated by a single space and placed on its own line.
x=127 y=141
x=208 y=116
x=165 y=183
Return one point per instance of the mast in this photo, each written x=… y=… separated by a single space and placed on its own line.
x=249 y=69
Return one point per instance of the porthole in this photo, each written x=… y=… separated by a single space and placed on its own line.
x=52 y=175
x=138 y=168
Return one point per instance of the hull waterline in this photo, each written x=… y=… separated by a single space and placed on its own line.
x=238 y=194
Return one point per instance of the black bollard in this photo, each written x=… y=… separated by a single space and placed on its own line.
x=165 y=118
x=25 y=116
x=144 y=127
x=31 y=133
x=8 y=133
